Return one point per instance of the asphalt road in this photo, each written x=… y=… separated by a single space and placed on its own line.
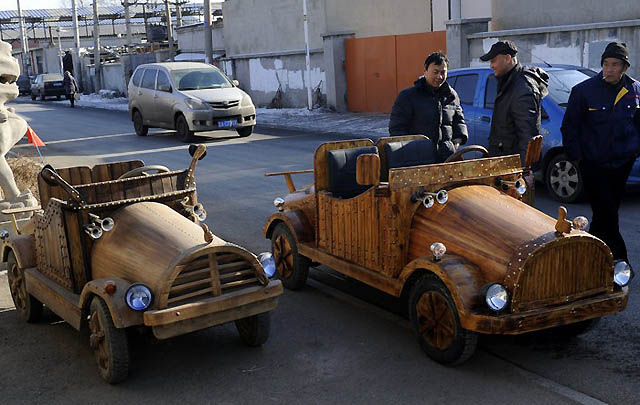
x=334 y=341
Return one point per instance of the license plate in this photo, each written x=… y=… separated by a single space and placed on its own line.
x=57 y=84
x=227 y=124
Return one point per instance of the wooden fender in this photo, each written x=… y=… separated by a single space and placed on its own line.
x=122 y=315
x=23 y=247
x=297 y=223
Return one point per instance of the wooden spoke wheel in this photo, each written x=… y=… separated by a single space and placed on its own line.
x=109 y=343
x=254 y=330
x=291 y=267
x=436 y=323
x=27 y=307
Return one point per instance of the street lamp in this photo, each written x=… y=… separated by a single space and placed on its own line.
x=58 y=29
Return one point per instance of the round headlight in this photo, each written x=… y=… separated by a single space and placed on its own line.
x=622 y=273
x=520 y=186
x=438 y=249
x=139 y=297
x=496 y=297
x=580 y=223
x=268 y=264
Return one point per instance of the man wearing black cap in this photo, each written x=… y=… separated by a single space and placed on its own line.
x=516 y=114
x=601 y=132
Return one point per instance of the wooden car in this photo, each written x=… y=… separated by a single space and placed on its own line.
x=116 y=247
x=454 y=239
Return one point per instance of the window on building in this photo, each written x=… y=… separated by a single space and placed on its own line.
x=465 y=85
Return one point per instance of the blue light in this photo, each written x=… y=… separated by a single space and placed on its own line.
x=139 y=297
x=268 y=264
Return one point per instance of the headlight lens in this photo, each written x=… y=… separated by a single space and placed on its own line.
x=268 y=264
x=622 y=273
x=195 y=104
x=438 y=249
x=496 y=297
x=139 y=297
x=246 y=101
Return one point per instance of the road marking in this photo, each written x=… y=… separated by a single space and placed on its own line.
x=89 y=138
x=534 y=378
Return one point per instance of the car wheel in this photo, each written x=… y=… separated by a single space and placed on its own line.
x=109 y=343
x=436 y=323
x=291 y=267
x=182 y=128
x=244 y=132
x=254 y=330
x=27 y=307
x=563 y=179
x=138 y=124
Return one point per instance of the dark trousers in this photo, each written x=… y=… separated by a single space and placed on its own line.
x=72 y=98
x=604 y=188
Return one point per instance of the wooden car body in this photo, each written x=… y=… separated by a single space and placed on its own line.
x=382 y=237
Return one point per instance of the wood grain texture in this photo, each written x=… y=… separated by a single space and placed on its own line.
x=381 y=142
x=321 y=177
x=368 y=169
x=56 y=297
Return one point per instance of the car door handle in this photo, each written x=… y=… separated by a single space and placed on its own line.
x=485 y=118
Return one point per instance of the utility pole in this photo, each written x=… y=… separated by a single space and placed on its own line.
x=169 y=29
x=208 y=41
x=25 y=44
x=307 y=57
x=76 y=43
x=96 y=46
x=179 y=14
x=127 y=22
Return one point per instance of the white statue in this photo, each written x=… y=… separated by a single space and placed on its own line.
x=12 y=129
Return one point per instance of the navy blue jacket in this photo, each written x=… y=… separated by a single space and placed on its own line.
x=602 y=122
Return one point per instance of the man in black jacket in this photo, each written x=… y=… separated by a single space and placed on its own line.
x=431 y=108
x=601 y=131
x=516 y=114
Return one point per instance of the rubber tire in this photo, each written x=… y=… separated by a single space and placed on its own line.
x=254 y=330
x=300 y=271
x=182 y=129
x=577 y=195
x=465 y=342
x=117 y=344
x=245 y=131
x=573 y=330
x=33 y=310
x=140 y=128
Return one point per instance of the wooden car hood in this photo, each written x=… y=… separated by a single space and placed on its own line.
x=483 y=225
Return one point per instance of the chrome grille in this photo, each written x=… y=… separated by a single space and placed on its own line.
x=562 y=272
x=224 y=104
x=209 y=276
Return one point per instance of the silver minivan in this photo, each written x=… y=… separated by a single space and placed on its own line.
x=188 y=97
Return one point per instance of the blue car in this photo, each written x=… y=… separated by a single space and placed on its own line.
x=477 y=90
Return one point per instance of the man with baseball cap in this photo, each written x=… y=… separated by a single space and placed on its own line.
x=601 y=133
x=516 y=114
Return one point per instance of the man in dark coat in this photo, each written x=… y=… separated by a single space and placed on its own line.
x=432 y=108
x=601 y=132
x=67 y=62
x=516 y=114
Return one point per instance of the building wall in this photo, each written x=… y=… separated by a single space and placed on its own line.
x=469 y=9
x=510 y=14
x=191 y=39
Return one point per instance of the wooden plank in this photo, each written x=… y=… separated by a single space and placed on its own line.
x=193 y=275
x=235 y=266
x=62 y=302
x=167 y=184
x=239 y=283
x=242 y=273
x=339 y=224
x=190 y=295
x=321 y=178
x=76 y=250
x=176 y=288
x=215 y=275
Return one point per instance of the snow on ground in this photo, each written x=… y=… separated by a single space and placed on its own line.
x=97 y=101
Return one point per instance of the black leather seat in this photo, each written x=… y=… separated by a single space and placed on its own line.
x=341 y=165
x=410 y=153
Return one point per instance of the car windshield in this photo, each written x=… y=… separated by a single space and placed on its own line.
x=197 y=79
x=561 y=82
x=54 y=77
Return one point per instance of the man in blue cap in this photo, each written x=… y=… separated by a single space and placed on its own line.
x=601 y=132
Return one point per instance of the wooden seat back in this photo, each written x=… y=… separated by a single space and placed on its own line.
x=320 y=166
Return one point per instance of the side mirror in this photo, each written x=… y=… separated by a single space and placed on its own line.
x=235 y=83
x=165 y=87
x=368 y=169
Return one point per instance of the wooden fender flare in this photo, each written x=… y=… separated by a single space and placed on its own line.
x=122 y=315
x=24 y=248
x=295 y=220
x=463 y=280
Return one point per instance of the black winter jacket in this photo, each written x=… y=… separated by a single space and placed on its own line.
x=602 y=122
x=516 y=114
x=423 y=110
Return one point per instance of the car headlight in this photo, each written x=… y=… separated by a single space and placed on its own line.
x=139 y=297
x=246 y=101
x=268 y=264
x=196 y=104
x=496 y=297
x=622 y=273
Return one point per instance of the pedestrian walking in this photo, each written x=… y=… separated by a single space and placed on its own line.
x=516 y=113
x=70 y=87
x=432 y=108
x=601 y=133
x=67 y=62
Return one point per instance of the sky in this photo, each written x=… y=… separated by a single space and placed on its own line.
x=31 y=4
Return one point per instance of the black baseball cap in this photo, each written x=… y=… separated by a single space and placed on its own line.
x=500 y=48
x=617 y=50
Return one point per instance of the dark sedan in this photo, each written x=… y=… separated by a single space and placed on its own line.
x=47 y=85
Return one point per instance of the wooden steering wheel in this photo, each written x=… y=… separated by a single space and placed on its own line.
x=143 y=170
x=457 y=156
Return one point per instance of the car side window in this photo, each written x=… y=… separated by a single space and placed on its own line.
x=137 y=77
x=149 y=79
x=465 y=86
x=163 y=82
x=491 y=91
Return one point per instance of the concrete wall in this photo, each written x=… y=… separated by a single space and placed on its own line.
x=114 y=77
x=190 y=38
x=469 y=9
x=510 y=14
x=577 y=44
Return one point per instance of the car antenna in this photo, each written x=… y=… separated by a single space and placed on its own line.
x=543 y=61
